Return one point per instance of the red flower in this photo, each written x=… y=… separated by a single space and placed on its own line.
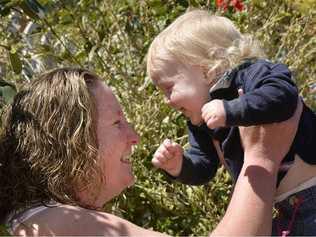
x=222 y=4
x=237 y=4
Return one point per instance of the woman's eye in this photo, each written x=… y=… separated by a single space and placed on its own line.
x=118 y=122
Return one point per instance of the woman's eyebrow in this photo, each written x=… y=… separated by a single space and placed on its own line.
x=120 y=113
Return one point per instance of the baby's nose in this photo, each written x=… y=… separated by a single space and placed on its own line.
x=167 y=100
x=171 y=103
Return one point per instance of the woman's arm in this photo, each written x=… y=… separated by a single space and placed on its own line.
x=66 y=220
x=250 y=210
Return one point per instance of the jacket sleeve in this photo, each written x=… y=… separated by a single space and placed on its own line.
x=200 y=161
x=270 y=96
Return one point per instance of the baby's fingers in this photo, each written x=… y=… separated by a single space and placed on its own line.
x=170 y=147
x=162 y=155
x=211 y=122
x=208 y=114
x=158 y=160
x=205 y=111
x=177 y=149
x=161 y=160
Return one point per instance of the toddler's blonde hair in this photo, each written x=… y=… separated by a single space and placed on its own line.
x=200 y=38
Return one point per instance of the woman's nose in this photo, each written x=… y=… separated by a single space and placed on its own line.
x=134 y=137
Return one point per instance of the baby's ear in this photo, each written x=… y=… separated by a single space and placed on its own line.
x=211 y=75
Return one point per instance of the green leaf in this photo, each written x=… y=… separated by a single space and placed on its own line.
x=3 y=3
x=8 y=93
x=28 y=11
x=15 y=62
x=4 y=230
x=5 y=83
x=4 y=8
x=158 y=8
x=33 y=9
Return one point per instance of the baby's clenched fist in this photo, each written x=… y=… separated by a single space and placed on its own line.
x=169 y=157
x=213 y=114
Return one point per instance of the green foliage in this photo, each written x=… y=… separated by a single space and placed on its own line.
x=7 y=93
x=112 y=38
x=288 y=33
x=4 y=231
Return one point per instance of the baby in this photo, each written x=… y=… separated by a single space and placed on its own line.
x=218 y=78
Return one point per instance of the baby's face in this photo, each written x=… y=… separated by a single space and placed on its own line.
x=185 y=89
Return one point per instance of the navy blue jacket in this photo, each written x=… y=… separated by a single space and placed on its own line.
x=270 y=96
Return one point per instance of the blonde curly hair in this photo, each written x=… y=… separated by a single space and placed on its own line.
x=200 y=38
x=48 y=145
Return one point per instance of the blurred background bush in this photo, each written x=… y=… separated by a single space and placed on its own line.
x=111 y=38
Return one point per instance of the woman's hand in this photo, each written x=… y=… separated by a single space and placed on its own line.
x=272 y=141
x=250 y=210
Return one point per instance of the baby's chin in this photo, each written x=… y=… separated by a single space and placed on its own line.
x=196 y=121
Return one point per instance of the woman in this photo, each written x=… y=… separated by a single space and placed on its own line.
x=64 y=153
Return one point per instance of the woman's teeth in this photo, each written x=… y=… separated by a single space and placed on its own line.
x=126 y=159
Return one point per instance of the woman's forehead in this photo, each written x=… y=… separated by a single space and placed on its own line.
x=106 y=100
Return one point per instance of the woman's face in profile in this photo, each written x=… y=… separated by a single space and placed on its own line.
x=115 y=139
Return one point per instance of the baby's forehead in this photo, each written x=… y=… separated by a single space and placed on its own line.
x=164 y=67
x=163 y=74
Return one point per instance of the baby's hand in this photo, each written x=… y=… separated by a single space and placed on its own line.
x=213 y=114
x=169 y=157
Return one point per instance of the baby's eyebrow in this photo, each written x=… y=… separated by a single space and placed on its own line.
x=162 y=82
x=155 y=80
x=155 y=83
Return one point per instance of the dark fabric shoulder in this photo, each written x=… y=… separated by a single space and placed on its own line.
x=270 y=94
x=261 y=68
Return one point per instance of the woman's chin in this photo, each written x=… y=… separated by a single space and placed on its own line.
x=130 y=181
x=130 y=174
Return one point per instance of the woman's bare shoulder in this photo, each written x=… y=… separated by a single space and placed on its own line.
x=73 y=220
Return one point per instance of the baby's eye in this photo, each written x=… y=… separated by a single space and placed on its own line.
x=168 y=89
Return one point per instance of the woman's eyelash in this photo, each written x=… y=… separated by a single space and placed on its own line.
x=117 y=122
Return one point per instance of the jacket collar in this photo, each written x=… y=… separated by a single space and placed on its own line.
x=227 y=78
